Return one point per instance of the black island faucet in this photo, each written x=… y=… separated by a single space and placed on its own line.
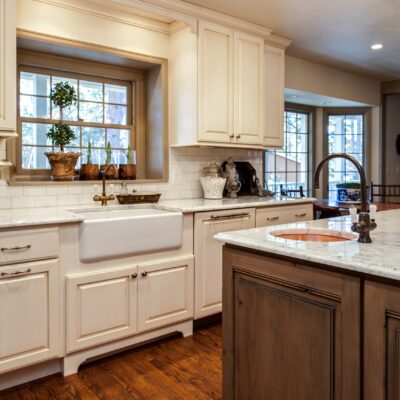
x=364 y=224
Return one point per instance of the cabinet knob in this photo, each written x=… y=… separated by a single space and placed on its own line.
x=238 y=136
x=134 y=276
x=232 y=135
x=144 y=273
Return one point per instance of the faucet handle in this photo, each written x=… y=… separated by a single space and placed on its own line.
x=353 y=213
x=372 y=211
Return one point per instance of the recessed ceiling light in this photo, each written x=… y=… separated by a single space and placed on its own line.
x=376 y=46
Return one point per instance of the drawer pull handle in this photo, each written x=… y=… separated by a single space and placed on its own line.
x=231 y=135
x=272 y=218
x=300 y=215
x=144 y=273
x=134 y=276
x=238 y=136
x=222 y=217
x=16 y=248
x=5 y=274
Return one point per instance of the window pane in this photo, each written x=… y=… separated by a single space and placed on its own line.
x=37 y=84
x=71 y=81
x=115 y=94
x=118 y=138
x=91 y=112
x=115 y=114
x=97 y=137
x=35 y=134
x=34 y=107
x=34 y=158
x=98 y=156
x=91 y=91
x=69 y=114
x=345 y=135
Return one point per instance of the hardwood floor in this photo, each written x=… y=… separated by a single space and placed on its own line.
x=173 y=368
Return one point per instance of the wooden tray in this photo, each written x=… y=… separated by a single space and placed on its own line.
x=137 y=198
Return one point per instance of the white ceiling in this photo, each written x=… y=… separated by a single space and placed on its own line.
x=317 y=100
x=338 y=33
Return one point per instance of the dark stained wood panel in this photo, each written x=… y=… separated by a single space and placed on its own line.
x=171 y=369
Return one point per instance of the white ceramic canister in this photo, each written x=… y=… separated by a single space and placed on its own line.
x=212 y=182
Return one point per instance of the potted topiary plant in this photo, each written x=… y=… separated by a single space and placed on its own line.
x=62 y=164
x=109 y=169
x=128 y=170
x=89 y=171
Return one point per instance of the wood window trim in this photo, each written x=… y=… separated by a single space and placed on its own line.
x=73 y=68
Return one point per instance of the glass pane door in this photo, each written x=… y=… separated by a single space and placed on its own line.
x=345 y=135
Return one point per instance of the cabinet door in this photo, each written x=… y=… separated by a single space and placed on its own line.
x=208 y=255
x=29 y=314
x=248 y=89
x=215 y=83
x=274 y=84
x=165 y=292
x=101 y=307
x=8 y=66
x=381 y=342
x=283 y=215
x=290 y=331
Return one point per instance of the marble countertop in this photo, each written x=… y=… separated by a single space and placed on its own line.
x=13 y=218
x=380 y=258
x=198 y=205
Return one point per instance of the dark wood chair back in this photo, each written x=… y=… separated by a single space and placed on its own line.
x=292 y=192
x=385 y=193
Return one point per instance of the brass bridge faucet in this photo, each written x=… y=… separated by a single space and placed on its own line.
x=365 y=223
x=104 y=196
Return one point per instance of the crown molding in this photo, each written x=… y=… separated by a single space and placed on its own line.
x=278 y=41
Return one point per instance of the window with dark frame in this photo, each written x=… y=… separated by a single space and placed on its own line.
x=345 y=135
x=290 y=167
x=103 y=113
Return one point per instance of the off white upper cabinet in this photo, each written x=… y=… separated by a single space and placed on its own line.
x=231 y=99
x=8 y=51
x=274 y=103
x=227 y=88
x=215 y=83
x=248 y=89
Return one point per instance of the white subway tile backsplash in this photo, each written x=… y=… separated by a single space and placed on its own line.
x=185 y=168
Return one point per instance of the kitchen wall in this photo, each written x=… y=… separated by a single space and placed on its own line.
x=186 y=166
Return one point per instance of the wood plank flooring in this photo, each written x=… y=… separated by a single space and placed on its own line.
x=171 y=369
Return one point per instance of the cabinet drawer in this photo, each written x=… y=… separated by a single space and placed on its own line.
x=283 y=215
x=30 y=312
x=27 y=245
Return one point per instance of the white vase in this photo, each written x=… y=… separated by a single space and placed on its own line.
x=213 y=187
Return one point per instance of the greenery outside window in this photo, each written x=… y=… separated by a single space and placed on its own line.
x=291 y=166
x=103 y=113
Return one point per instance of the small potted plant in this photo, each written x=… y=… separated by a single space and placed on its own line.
x=63 y=95
x=89 y=171
x=128 y=170
x=109 y=169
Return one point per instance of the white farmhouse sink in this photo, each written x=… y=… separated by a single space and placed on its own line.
x=116 y=233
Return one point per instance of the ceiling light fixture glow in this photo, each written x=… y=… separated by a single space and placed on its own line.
x=376 y=46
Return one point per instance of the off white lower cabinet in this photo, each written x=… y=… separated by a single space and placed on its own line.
x=29 y=314
x=165 y=292
x=208 y=255
x=283 y=215
x=101 y=307
x=110 y=305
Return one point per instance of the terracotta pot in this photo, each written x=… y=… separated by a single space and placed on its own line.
x=127 y=171
x=89 y=172
x=112 y=172
x=62 y=165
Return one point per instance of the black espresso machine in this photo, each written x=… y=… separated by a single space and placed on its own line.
x=250 y=184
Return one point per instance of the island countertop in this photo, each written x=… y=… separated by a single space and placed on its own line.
x=379 y=258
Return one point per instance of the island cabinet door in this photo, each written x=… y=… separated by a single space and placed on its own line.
x=290 y=331
x=381 y=342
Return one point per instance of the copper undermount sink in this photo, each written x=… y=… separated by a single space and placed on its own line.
x=314 y=235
